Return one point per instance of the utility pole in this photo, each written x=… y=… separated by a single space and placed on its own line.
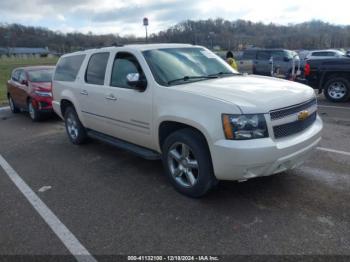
x=145 y=23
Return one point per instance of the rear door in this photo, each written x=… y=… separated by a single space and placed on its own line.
x=263 y=64
x=280 y=63
x=23 y=89
x=16 y=89
x=93 y=93
x=12 y=85
x=247 y=62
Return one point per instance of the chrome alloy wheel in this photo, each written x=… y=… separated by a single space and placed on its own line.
x=183 y=165
x=72 y=127
x=31 y=110
x=337 y=90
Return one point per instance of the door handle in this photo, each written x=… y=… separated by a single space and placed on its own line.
x=84 y=92
x=111 y=97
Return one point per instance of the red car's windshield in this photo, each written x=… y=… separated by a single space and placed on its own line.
x=43 y=75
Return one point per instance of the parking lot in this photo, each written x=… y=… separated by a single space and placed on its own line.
x=114 y=203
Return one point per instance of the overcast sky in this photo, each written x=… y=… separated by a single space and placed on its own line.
x=125 y=16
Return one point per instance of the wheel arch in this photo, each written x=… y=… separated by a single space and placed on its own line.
x=167 y=127
x=330 y=75
x=64 y=104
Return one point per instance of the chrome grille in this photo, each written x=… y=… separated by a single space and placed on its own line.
x=294 y=127
x=283 y=112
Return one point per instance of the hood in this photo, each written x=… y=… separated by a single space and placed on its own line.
x=47 y=86
x=252 y=94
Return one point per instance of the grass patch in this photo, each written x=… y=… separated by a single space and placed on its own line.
x=8 y=64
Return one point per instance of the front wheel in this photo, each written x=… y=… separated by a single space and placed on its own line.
x=187 y=161
x=337 y=89
x=75 y=130
x=34 y=114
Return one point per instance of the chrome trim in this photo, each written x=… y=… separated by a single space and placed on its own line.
x=293 y=117
x=283 y=112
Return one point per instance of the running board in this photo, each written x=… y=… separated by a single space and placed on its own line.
x=135 y=149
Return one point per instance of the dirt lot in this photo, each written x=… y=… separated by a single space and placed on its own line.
x=115 y=203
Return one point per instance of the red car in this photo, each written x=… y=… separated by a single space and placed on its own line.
x=30 y=89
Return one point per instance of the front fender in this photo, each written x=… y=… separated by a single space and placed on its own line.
x=182 y=120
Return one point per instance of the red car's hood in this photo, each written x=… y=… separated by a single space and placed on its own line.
x=47 y=86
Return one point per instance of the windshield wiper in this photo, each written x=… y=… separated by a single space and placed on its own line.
x=222 y=74
x=187 y=78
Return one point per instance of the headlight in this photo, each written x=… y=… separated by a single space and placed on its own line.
x=43 y=93
x=243 y=127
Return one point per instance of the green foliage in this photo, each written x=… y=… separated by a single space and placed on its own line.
x=8 y=64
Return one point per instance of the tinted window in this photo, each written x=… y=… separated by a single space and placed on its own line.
x=320 y=54
x=44 y=75
x=15 y=75
x=171 y=66
x=264 y=55
x=96 y=69
x=68 y=68
x=249 y=55
x=123 y=65
x=278 y=55
x=22 y=76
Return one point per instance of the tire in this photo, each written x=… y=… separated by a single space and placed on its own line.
x=13 y=107
x=75 y=130
x=337 y=89
x=187 y=162
x=34 y=114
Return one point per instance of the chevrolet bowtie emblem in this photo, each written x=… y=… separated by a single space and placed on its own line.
x=303 y=115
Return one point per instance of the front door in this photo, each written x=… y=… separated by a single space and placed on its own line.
x=129 y=111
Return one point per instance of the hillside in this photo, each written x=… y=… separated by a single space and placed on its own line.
x=227 y=34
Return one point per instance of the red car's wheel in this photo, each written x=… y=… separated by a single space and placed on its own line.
x=33 y=112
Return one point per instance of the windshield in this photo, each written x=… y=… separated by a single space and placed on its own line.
x=43 y=75
x=174 y=66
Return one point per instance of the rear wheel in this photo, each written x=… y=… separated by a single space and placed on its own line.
x=74 y=128
x=187 y=162
x=337 y=89
x=34 y=114
x=13 y=107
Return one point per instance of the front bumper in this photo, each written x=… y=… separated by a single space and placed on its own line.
x=43 y=104
x=242 y=160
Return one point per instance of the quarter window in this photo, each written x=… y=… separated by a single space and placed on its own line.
x=123 y=65
x=68 y=68
x=96 y=69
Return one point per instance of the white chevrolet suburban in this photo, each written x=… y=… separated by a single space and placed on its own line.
x=185 y=105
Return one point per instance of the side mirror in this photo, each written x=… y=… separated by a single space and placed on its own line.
x=135 y=81
x=24 y=82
